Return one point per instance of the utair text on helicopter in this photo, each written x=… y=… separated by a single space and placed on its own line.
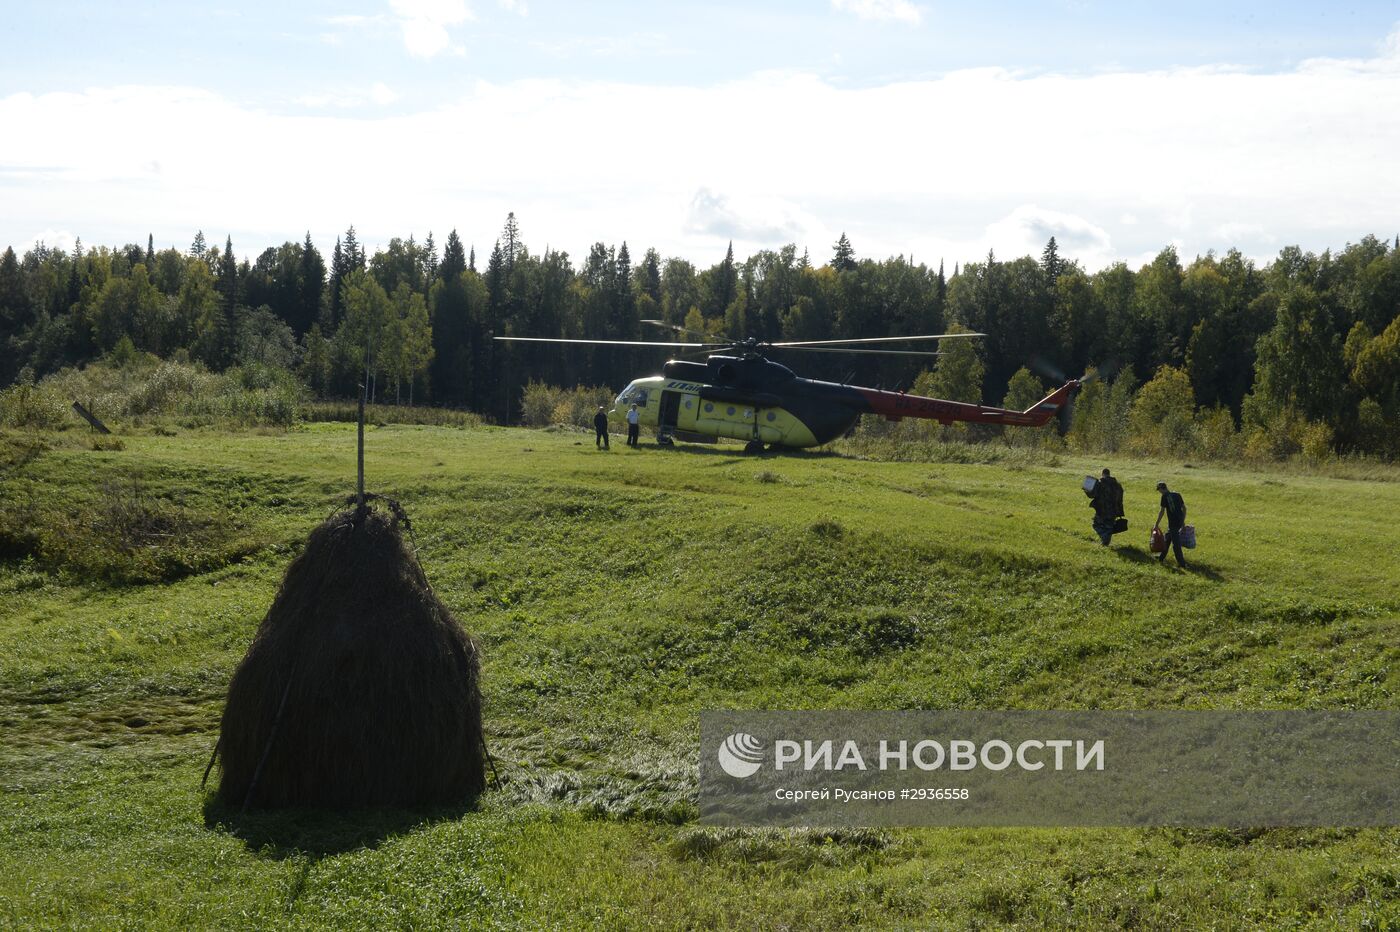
x=741 y=394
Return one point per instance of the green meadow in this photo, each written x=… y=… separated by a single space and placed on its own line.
x=615 y=595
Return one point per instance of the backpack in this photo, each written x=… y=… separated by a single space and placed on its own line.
x=1176 y=508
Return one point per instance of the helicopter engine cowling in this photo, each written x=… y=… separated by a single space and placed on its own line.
x=688 y=371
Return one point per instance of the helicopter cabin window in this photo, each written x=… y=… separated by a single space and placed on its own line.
x=689 y=403
x=772 y=416
x=632 y=395
x=730 y=412
x=709 y=407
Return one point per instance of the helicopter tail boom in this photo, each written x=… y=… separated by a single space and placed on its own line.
x=895 y=405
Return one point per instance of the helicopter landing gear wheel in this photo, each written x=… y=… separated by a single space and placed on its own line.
x=665 y=440
x=753 y=447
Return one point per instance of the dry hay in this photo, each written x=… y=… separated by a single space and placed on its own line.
x=360 y=687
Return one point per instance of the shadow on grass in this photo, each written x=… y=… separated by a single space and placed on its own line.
x=737 y=452
x=292 y=833
x=1134 y=555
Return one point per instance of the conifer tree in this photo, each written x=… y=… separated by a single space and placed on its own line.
x=509 y=242
x=430 y=261
x=339 y=268
x=844 y=259
x=725 y=284
x=311 y=285
x=354 y=253
x=228 y=277
x=453 y=262
x=496 y=280
x=649 y=275
x=1051 y=262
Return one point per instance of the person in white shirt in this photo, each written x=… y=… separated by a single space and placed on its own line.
x=634 y=425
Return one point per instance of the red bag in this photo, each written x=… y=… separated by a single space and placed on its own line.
x=1159 y=541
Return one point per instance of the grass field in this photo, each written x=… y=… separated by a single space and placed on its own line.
x=616 y=595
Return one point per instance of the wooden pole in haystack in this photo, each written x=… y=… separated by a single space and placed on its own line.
x=360 y=438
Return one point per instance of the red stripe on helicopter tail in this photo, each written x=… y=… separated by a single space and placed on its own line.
x=897 y=405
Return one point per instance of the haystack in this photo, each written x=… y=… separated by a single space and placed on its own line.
x=360 y=687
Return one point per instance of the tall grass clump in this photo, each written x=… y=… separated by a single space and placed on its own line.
x=145 y=390
x=544 y=405
x=347 y=412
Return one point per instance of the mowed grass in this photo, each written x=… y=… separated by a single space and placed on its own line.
x=616 y=595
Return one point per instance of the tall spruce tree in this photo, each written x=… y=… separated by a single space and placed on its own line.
x=844 y=258
x=450 y=375
x=1051 y=262
x=724 y=284
x=311 y=285
x=649 y=275
x=336 y=303
x=510 y=241
x=430 y=261
x=354 y=252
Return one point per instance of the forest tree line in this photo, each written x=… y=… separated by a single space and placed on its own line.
x=1305 y=350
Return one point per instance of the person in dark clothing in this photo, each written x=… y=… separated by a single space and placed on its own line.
x=600 y=424
x=1106 y=499
x=1174 y=507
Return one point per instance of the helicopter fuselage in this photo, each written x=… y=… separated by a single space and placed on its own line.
x=754 y=399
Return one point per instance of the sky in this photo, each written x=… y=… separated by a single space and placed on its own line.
x=933 y=130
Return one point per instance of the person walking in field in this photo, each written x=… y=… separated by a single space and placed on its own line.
x=1106 y=498
x=1174 y=507
x=634 y=425
x=600 y=425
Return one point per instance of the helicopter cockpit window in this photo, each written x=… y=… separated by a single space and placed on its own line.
x=641 y=398
x=629 y=395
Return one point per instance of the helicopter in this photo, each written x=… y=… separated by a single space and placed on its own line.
x=741 y=394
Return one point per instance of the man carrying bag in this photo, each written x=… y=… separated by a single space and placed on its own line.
x=1174 y=507
x=1106 y=498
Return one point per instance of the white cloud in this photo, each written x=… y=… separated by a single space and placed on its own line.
x=997 y=160
x=62 y=240
x=515 y=6
x=756 y=220
x=1236 y=231
x=377 y=93
x=1387 y=61
x=632 y=44
x=380 y=93
x=424 y=23
x=1027 y=229
x=901 y=11
x=353 y=21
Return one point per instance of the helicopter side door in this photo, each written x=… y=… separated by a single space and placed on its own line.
x=670 y=411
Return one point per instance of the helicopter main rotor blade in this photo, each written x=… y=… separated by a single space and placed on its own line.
x=926 y=336
x=708 y=351
x=870 y=352
x=611 y=342
x=674 y=328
